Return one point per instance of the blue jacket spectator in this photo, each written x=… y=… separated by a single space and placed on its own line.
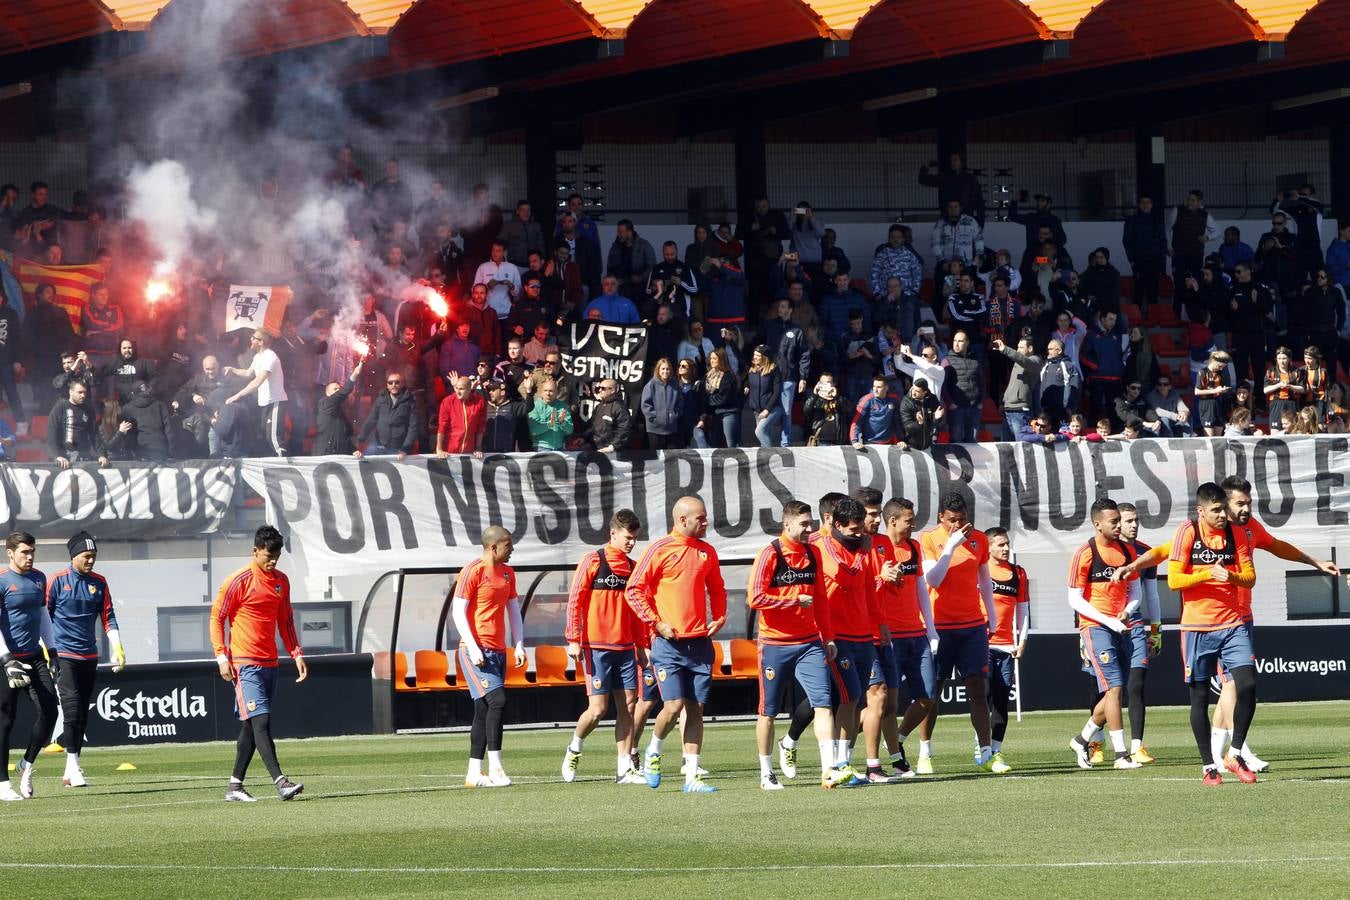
x=896 y=258
x=835 y=307
x=1102 y=356
x=1338 y=257
x=661 y=406
x=1233 y=250
x=876 y=419
x=611 y=305
x=726 y=295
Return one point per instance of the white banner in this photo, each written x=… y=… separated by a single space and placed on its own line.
x=344 y=516
x=256 y=306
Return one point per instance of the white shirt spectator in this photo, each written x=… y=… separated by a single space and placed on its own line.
x=273 y=389
x=500 y=295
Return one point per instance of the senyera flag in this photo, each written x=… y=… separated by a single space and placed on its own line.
x=256 y=306
x=72 y=283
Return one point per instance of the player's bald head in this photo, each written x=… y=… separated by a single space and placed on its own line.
x=689 y=506
x=494 y=535
x=691 y=517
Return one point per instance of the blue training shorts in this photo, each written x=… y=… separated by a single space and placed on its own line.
x=1106 y=655
x=253 y=687
x=683 y=667
x=608 y=670
x=964 y=649
x=484 y=679
x=1210 y=653
x=778 y=663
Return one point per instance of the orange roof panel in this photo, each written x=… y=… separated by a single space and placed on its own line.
x=1323 y=33
x=442 y=32
x=1119 y=31
x=26 y=24
x=899 y=31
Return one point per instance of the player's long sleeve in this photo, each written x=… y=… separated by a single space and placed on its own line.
x=1021 y=618
x=935 y=570
x=1286 y=550
x=579 y=598
x=516 y=623
x=1244 y=577
x=1085 y=609
x=286 y=623
x=926 y=606
x=641 y=588
x=1154 y=557
x=717 y=594
x=46 y=632
x=761 y=578
x=821 y=609
x=221 y=610
x=1152 y=607
x=1134 y=595
x=1178 y=579
x=987 y=595
x=459 y=609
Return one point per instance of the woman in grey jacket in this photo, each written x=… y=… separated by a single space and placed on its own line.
x=660 y=406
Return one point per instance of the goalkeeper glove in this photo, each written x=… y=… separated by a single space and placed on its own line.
x=119 y=657
x=16 y=671
x=53 y=663
x=1154 y=642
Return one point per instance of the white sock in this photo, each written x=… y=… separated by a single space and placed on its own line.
x=985 y=753
x=1088 y=731
x=843 y=752
x=622 y=763
x=494 y=760
x=475 y=768
x=24 y=764
x=826 y=756
x=691 y=764
x=1118 y=740
x=788 y=742
x=1247 y=750
x=576 y=744
x=873 y=763
x=654 y=748
x=72 y=762
x=765 y=765
x=925 y=749
x=1217 y=737
x=233 y=780
x=1135 y=744
x=996 y=746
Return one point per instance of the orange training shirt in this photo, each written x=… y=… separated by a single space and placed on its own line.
x=776 y=584
x=1210 y=605
x=1090 y=574
x=256 y=605
x=1005 y=601
x=674 y=582
x=488 y=590
x=597 y=614
x=957 y=602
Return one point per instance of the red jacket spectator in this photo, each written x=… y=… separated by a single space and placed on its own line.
x=463 y=419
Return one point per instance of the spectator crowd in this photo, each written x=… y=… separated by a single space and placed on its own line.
x=762 y=333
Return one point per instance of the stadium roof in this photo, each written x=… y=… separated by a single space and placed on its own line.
x=829 y=52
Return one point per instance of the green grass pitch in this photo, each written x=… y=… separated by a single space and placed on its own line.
x=388 y=816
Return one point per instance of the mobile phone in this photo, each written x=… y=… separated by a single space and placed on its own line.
x=799 y=210
x=1042 y=260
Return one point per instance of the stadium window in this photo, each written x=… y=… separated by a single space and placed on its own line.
x=1313 y=595
x=184 y=632
x=323 y=628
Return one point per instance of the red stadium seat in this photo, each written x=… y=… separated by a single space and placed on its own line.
x=401 y=673
x=985 y=436
x=38 y=429
x=744 y=659
x=1132 y=313
x=550 y=666
x=516 y=676
x=861 y=286
x=31 y=455
x=432 y=668
x=1126 y=287
x=380 y=664
x=719 y=658
x=989 y=411
x=1166 y=343
x=1163 y=314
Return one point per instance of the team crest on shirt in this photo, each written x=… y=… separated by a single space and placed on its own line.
x=661 y=674
x=487 y=683
x=769 y=673
x=1105 y=657
x=277 y=588
x=703 y=555
x=596 y=682
x=93 y=591
x=973 y=543
x=844 y=663
x=252 y=705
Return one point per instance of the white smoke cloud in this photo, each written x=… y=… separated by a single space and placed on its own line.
x=160 y=199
